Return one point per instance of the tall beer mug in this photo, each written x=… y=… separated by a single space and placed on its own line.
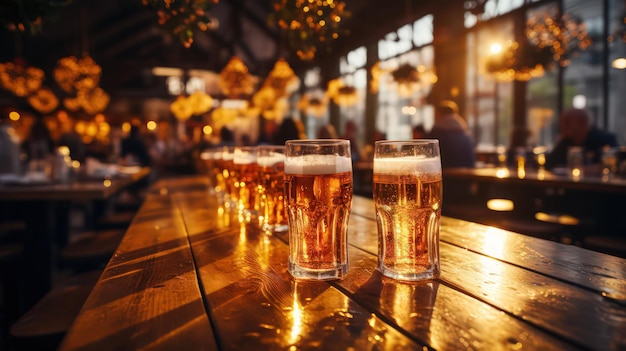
x=318 y=190
x=271 y=161
x=407 y=187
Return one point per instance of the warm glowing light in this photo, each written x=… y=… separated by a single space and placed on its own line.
x=14 y=116
x=495 y=48
x=502 y=172
x=106 y=183
x=619 y=63
x=207 y=130
x=296 y=318
x=151 y=125
x=64 y=150
x=126 y=127
x=500 y=205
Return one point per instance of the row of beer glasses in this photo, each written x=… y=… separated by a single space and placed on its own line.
x=250 y=180
x=308 y=185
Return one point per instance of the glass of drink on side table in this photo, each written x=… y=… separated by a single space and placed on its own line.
x=318 y=191
x=272 y=212
x=407 y=189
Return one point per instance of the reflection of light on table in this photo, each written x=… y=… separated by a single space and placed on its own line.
x=502 y=172
x=560 y=219
x=500 y=205
x=296 y=318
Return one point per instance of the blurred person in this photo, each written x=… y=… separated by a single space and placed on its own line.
x=455 y=141
x=134 y=150
x=38 y=144
x=418 y=131
x=576 y=129
x=351 y=132
x=70 y=138
x=327 y=132
x=289 y=129
x=9 y=144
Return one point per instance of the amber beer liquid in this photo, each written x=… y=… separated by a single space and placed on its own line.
x=271 y=161
x=245 y=177
x=407 y=195
x=318 y=191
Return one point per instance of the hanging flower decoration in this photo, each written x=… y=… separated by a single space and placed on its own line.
x=282 y=79
x=182 y=17
x=28 y=15
x=342 y=94
x=308 y=24
x=200 y=102
x=376 y=72
x=314 y=104
x=264 y=98
x=43 y=100
x=181 y=108
x=93 y=101
x=519 y=63
x=411 y=79
x=20 y=79
x=73 y=74
x=564 y=36
x=234 y=80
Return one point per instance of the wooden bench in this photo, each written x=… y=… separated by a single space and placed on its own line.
x=45 y=324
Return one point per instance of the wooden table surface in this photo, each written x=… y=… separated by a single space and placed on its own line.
x=84 y=189
x=189 y=276
x=615 y=184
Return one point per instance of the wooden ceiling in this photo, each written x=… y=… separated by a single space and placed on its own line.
x=125 y=39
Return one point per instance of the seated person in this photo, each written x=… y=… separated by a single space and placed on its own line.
x=576 y=129
x=455 y=142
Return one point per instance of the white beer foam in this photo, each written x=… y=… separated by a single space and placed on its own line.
x=317 y=164
x=270 y=160
x=404 y=165
x=244 y=158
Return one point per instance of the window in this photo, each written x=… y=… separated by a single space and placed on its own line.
x=489 y=104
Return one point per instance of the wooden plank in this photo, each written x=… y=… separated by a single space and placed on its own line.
x=256 y=304
x=243 y=270
x=604 y=274
x=538 y=299
x=148 y=295
x=442 y=317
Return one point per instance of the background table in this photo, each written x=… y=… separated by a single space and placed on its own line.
x=44 y=208
x=189 y=275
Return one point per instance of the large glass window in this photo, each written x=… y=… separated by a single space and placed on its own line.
x=582 y=78
x=489 y=107
x=400 y=108
x=542 y=95
x=617 y=70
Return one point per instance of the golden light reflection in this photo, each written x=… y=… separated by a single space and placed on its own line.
x=151 y=125
x=500 y=205
x=494 y=245
x=399 y=298
x=541 y=174
x=296 y=316
x=502 y=172
x=14 y=116
x=106 y=183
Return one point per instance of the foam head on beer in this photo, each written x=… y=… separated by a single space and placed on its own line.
x=407 y=165
x=317 y=164
x=270 y=159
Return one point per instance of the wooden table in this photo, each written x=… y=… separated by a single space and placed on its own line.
x=543 y=178
x=189 y=276
x=44 y=208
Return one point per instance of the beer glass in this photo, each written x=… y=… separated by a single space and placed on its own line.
x=271 y=161
x=318 y=191
x=407 y=189
x=245 y=177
